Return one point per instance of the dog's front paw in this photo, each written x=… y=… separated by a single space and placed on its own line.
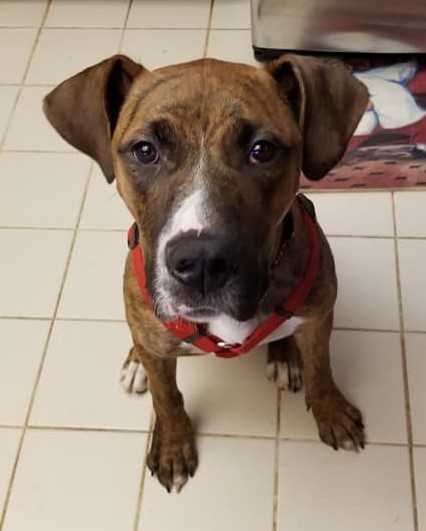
x=284 y=366
x=133 y=377
x=172 y=457
x=339 y=422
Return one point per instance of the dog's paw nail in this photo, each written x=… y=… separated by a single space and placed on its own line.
x=283 y=376
x=178 y=482
x=350 y=445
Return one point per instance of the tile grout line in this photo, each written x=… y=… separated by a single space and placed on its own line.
x=139 y=503
x=55 y=229
x=317 y=440
x=47 y=85
x=275 y=498
x=46 y=345
x=10 y=427
x=2 y=143
x=23 y=318
x=391 y=189
x=87 y=429
x=237 y=436
x=115 y=229
x=133 y=28
x=54 y=151
x=357 y=329
x=123 y=320
x=64 y=27
x=383 y=330
x=24 y=77
x=209 y=24
x=66 y=319
x=123 y=29
x=9 y=121
x=405 y=374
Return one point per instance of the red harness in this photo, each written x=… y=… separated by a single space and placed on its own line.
x=191 y=333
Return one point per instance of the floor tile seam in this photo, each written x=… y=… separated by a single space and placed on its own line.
x=404 y=364
x=24 y=76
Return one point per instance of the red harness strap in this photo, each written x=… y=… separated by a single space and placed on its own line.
x=190 y=332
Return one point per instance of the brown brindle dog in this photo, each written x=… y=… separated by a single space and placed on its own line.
x=207 y=157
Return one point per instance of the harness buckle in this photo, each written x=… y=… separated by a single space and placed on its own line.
x=226 y=346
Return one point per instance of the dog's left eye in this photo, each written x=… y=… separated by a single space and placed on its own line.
x=262 y=151
x=145 y=153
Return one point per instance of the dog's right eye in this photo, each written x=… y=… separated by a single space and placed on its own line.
x=145 y=153
x=262 y=151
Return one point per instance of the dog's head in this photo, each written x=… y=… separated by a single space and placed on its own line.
x=207 y=157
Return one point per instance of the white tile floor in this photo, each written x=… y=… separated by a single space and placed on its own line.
x=72 y=445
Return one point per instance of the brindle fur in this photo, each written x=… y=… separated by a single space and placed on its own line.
x=314 y=109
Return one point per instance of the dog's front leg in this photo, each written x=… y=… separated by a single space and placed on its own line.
x=339 y=423
x=173 y=456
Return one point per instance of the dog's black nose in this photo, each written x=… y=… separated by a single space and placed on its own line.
x=204 y=262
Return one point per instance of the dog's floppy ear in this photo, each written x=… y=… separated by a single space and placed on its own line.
x=328 y=102
x=85 y=108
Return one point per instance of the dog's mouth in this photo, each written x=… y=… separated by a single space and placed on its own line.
x=196 y=314
x=239 y=302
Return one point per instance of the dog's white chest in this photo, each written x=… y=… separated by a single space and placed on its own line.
x=234 y=332
x=288 y=328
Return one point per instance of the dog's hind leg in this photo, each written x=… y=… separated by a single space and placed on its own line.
x=133 y=377
x=284 y=365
